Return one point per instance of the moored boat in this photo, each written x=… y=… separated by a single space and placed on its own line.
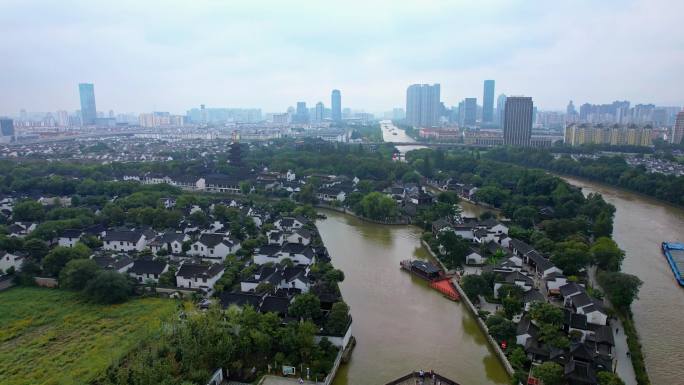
x=674 y=252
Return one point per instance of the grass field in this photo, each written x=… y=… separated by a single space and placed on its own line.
x=51 y=336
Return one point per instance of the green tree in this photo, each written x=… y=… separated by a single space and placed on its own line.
x=108 y=287
x=306 y=306
x=501 y=328
x=543 y=312
x=338 y=318
x=550 y=373
x=36 y=248
x=608 y=378
x=621 y=288
x=603 y=225
x=475 y=285
x=58 y=257
x=606 y=254
x=518 y=358
x=28 y=211
x=455 y=249
x=76 y=273
x=378 y=206
x=571 y=257
x=168 y=278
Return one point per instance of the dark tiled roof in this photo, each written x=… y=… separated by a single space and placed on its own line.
x=147 y=267
x=570 y=288
x=275 y=304
x=125 y=236
x=211 y=240
x=110 y=263
x=191 y=270
x=70 y=233
x=240 y=299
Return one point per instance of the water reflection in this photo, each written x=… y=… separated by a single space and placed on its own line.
x=400 y=323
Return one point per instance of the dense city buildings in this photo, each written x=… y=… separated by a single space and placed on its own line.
x=518 y=117
x=88 y=110
x=336 y=105
x=678 y=132
x=423 y=105
x=204 y=115
x=470 y=112
x=615 y=135
x=488 y=102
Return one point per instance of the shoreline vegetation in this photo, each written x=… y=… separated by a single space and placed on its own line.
x=609 y=170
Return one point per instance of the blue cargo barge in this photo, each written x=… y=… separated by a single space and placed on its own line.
x=674 y=252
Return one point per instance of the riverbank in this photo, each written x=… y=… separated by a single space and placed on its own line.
x=344 y=210
x=640 y=225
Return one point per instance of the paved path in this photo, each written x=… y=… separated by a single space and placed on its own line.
x=624 y=366
x=624 y=363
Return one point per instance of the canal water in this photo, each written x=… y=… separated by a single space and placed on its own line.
x=641 y=224
x=392 y=134
x=400 y=323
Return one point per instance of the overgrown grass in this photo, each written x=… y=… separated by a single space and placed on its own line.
x=635 y=349
x=52 y=336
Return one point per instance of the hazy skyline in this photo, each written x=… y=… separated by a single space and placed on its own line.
x=172 y=56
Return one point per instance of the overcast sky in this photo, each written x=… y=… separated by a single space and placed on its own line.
x=168 y=55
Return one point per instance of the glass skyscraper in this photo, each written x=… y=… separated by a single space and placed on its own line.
x=336 y=105
x=488 y=102
x=88 y=110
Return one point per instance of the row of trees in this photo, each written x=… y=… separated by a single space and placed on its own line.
x=612 y=170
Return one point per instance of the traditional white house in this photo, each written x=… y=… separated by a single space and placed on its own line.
x=275 y=237
x=214 y=247
x=290 y=176
x=171 y=242
x=592 y=308
x=513 y=278
x=289 y=224
x=21 y=229
x=69 y=237
x=125 y=241
x=331 y=194
x=474 y=257
x=301 y=236
x=11 y=260
x=296 y=252
x=554 y=282
x=197 y=276
x=280 y=278
x=147 y=271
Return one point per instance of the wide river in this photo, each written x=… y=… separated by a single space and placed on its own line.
x=641 y=224
x=400 y=323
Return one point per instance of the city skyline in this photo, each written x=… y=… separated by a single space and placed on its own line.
x=268 y=56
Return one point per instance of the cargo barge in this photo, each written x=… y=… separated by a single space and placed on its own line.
x=674 y=252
